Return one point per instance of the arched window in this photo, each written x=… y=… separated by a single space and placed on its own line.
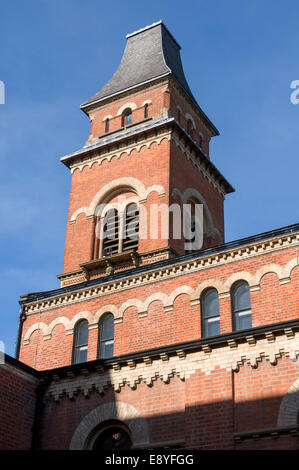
x=126 y=117
x=210 y=313
x=106 y=336
x=146 y=110
x=131 y=228
x=179 y=115
x=200 y=140
x=190 y=127
x=110 y=233
x=241 y=306
x=80 y=342
x=107 y=125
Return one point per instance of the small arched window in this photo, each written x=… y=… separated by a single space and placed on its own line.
x=179 y=115
x=241 y=306
x=210 y=313
x=200 y=140
x=190 y=127
x=126 y=117
x=80 y=342
x=106 y=336
x=131 y=228
x=146 y=110
x=110 y=233
x=107 y=125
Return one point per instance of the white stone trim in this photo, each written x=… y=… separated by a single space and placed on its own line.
x=188 y=117
x=125 y=106
x=116 y=410
x=289 y=408
x=183 y=365
x=116 y=186
x=167 y=273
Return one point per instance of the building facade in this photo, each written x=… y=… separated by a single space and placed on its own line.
x=148 y=343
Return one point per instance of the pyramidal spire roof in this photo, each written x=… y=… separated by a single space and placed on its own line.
x=150 y=53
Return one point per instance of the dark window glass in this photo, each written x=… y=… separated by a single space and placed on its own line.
x=145 y=111
x=80 y=342
x=110 y=233
x=190 y=127
x=179 y=116
x=107 y=125
x=113 y=438
x=106 y=336
x=210 y=313
x=127 y=117
x=131 y=228
x=241 y=306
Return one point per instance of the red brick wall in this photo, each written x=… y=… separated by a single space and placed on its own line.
x=272 y=303
x=17 y=406
x=204 y=411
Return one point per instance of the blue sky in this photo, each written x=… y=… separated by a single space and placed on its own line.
x=239 y=58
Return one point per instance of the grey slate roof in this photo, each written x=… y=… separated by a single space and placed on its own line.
x=150 y=53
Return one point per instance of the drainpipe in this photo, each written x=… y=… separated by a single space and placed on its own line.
x=22 y=318
x=36 y=428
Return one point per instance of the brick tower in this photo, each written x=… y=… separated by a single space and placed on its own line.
x=173 y=347
x=149 y=143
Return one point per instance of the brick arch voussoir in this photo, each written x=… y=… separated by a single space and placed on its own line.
x=121 y=411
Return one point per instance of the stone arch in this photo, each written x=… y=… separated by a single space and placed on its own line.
x=267 y=269
x=208 y=283
x=82 y=316
x=190 y=118
x=239 y=276
x=125 y=106
x=179 y=291
x=58 y=321
x=111 y=189
x=156 y=296
x=146 y=102
x=193 y=194
x=37 y=326
x=108 y=116
x=290 y=266
x=289 y=407
x=131 y=303
x=121 y=411
x=107 y=309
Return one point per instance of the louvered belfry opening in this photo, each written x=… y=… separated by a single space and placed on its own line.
x=131 y=228
x=111 y=233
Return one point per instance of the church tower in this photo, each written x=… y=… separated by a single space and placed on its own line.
x=147 y=338
x=148 y=149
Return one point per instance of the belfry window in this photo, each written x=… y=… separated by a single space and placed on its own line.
x=126 y=117
x=131 y=228
x=241 y=306
x=119 y=231
x=210 y=313
x=106 y=336
x=107 y=125
x=110 y=233
x=80 y=342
